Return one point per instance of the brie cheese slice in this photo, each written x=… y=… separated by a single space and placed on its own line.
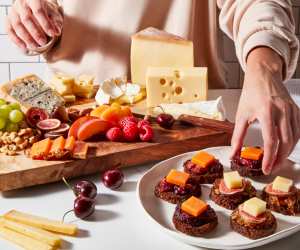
x=213 y=109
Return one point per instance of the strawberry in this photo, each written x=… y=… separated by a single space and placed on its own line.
x=114 y=134
x=143 y=122
x=146 y=133
x=126 y=120
x=131 y=132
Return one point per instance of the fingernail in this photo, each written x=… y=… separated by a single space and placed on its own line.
x=42 y=41
x=52 y=33
x=58 y=30
x=267 y=170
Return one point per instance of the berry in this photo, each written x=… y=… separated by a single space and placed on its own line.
x=85 y=188
x=180 y=190
x=165 y=120
x=126 y=120
x=114 y=134
x=131 y=132
x=84 y=206
x=165 y=186
x=146 y=133
x=113 y=179
x=143 y=122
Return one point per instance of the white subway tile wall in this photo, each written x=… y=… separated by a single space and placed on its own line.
x=14 y=64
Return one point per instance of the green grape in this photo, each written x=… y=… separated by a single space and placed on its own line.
x=2 y=101
x=2 y=123
x=12 y=127
x=4 y=111
x=16 y=116
x=14 y=105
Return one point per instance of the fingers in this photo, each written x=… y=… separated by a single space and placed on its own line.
x=20 y=30
x=238 y=136
x=13 y=36
x=39 y=11
x=270 y=138
x=29 y=22
x=286 y=138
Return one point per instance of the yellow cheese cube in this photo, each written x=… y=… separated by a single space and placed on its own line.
x=282 y=184
x=69 y=98
x=84 y=86
x=175 y=85
x=157 y=48
x=233 y=180
x=254 y=206
x=63 y=84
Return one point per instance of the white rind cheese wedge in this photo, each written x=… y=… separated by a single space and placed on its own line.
x=212 y=109
x=157 y=48
x=282 y=184
x=233 y=180
x=40 y=222
x=33 y=232
x=175 y=85
x=254 y=206
x=23 y=240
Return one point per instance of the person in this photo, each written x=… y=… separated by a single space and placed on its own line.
x=94 y=37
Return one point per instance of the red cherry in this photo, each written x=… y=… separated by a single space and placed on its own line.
x=83 y=207
x=113 y=179
x=85 y=188
x=165 y=120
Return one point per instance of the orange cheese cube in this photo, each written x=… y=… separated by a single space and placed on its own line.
x=40 y=149
x=203 y=159
x=57 y=145
x=70 y=143
x=80 y=150
x=252 y=153
x=194 y=206
x=177 y=177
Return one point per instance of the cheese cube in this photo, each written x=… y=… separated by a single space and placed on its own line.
x=254 y=206
x=194 y=206
x=203 y=159
x=84 y=86
x=63 y=84
x=157 y=48
x=69 y=98
x=233 y=180
x=252 y=153
x=282 y=184
x=175 y=85
x=177 y=177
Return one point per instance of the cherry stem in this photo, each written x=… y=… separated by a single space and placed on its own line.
x=67 y=184
x=161 y=109
x=63 y=218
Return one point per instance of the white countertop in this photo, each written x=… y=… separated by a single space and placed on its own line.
x=118 y=222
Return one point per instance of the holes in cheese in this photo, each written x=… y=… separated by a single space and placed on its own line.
x=190 y=87
x=194 y=206
x=252 y=153
x=254 y=206
x=177 y=177
x=203 y=159
x=163 y=81
x=282 y=184
x=233 y=180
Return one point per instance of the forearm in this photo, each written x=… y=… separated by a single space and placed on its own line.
x=257 y=23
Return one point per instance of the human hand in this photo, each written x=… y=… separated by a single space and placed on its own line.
x=30 y=23
x=264 y=98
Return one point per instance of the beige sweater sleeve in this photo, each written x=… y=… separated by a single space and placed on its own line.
x=253 y=23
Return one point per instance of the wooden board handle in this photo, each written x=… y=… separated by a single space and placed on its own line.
x=225 y=126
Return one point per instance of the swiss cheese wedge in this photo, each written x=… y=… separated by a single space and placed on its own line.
x=23 y=240
x=33 y=232
x=40 y=222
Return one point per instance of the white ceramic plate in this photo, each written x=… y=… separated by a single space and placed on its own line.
x=223 y=237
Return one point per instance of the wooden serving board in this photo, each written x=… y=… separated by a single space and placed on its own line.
x=21 y=171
